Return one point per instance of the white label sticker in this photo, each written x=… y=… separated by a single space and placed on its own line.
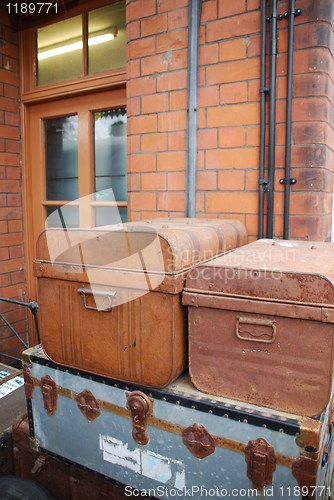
x=10 y=386
x=144 y=462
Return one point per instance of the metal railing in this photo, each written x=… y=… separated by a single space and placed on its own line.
x=33 y=307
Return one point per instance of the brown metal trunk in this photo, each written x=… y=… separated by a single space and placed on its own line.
x=110 y=298
x=261 y=325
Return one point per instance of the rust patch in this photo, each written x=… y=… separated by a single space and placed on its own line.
x=88 y=405
x=261 y=462
x=28 y=383
x=50 y=394
x=305 y=470
x=309 y=433
x=198 y=441
x=140 y=406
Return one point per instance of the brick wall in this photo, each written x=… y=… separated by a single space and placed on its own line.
x=229 y=112
x=12 y=279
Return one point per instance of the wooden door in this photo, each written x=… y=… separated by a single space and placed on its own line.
x=42 y=190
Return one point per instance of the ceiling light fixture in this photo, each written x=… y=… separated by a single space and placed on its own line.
x=74 y=46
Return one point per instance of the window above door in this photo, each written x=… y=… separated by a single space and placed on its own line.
x=78 y=53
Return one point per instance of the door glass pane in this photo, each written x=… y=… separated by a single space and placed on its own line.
x=61 y=158
x=59 y=51
x=62 y=217
x=107 y=38
x=110 y=161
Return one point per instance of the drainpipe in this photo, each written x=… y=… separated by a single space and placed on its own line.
x=263 y=90
x=272 y=118
x=287 y=181
x=194 y=17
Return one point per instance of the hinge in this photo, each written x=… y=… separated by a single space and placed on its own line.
x=28 y=383
x=261 y=463
x=140 y=406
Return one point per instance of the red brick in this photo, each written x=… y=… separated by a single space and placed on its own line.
x=201 y=118
x=208 y=96
x=252 y=179
x=153 y=182
x=171 y=160
x=313 y=60
x=9 y=186
x=9 y=239
x=173 y=40
x=209 y=11
x=17 y=277
x=153 y=215
x=175 y=80
x=254 y=47
x=253 y=135
x=176 y=181
x=7 y=132
x=231 y=137
x=178 y=100
x=254 y=91
x=13 y=291
x=178 y=19
x=168 y=5
x=253 y=5
x=179 y=59
x=133 y=182
x=231 y=93
x=142 y=124
x=226 y=9
x=10 y=78
x=171 y=201
x=230 y=28
x=133 y=106
x=232 y=158
x=154 y=142
x=133 y=144
x=143 y=201
x=154 y=103
x=234 y=71
x=3 y=201
x=252 y=225
x=232 y=50
x=207 y=138
x=12 y=146
x=177 y=141
x=231 y=180
x=9 y=159
x=5 y=280
x=9 y=49
x=11 y=92
x=133 y=69
x=13 y=172
x=154 y=25
x=13 y=200
x=154 y=64
x=238 y=202
x=208 y=54
x=142 y=163
x=236 y=114
x=4 y=253
x=309 y=203
x=142 y=47
x=312 y=132
x=140 y=9
x=133 y=31
x=206 y=181
x=2 y=145
x=4 y=227
x=172 y=121
x=311 y=109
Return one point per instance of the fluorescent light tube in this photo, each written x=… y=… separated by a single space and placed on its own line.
x=74 y=46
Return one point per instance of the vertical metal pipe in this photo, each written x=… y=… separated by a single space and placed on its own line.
x=272 y=118
x=262 y=115
x=287 y=180
x=194 y=16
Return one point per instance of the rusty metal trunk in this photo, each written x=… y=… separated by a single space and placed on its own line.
x=261 y=325
x=110 y=298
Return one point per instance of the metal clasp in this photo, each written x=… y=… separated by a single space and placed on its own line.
x=261 y=462
x=140 y=406
x=50 y=394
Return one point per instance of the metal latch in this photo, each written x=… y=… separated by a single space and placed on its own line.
x=88 y=405
x=140 y=406
x=261 y=462
x=50 y=394
x=28 y=383
x=198 y=441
